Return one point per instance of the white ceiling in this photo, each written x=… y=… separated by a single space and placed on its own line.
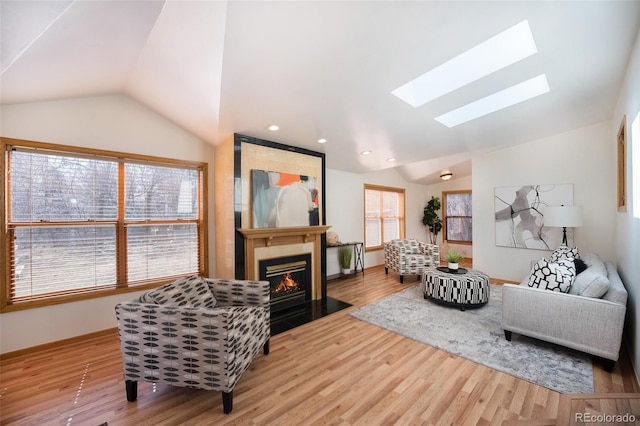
x=321 y=69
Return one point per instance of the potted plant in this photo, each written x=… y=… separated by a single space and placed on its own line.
x=454 y=257
x=344 y=258
x=431 y=220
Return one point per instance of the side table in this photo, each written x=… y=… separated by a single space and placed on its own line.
x=358 y=254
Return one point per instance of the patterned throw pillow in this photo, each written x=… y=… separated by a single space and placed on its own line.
x=564 y=252
x=554 y=276
x=191 y=291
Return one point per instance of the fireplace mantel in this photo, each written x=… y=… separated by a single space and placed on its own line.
x=277 y=236
x=259 y=238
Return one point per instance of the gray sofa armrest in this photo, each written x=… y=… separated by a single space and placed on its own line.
x=586 y=324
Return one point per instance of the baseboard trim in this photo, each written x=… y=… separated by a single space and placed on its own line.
x=634 y=371
x=50 y=345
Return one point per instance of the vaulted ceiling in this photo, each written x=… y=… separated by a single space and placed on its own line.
x=322 y=69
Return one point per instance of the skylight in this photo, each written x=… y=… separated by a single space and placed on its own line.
x=500 y=51
x=510 y=96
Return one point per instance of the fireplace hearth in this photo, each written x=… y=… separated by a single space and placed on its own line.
x=290 y=279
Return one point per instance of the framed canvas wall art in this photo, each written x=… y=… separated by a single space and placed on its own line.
x=283 y=199
x=519 y=215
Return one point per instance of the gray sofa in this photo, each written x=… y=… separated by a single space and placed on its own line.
x=589 y=324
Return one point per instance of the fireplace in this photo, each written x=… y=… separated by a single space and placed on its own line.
x=264 y=244
x=290 y=278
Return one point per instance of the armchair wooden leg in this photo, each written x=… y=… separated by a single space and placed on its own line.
x=265 y=348
x=132 y=390
x=507 y=335
x=227 y=402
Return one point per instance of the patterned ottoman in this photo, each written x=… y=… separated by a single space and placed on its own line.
x=468 y=290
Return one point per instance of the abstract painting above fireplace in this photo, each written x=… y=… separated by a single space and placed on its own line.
x=283 y=199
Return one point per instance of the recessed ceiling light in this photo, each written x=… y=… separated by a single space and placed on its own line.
x=322 y=140
x=366 y=152
x=273 y=128
x=391 y=160
x=510 y=96
x=500 y=51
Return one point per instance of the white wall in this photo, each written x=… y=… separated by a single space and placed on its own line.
x=345 y=209
x=107 y=122
x=628 y=227
x=583 y=157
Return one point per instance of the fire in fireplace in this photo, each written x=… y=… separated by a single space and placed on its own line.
x=290 y=278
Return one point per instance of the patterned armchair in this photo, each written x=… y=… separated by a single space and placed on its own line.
x=195 y=332
x=408 y=256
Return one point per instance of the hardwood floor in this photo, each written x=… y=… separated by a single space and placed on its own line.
x=336 y=370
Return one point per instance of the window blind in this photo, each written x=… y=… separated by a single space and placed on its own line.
x=384 y=215
x=56 y=206
x=66 y=227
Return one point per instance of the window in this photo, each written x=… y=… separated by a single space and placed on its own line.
x=622 y=166
x=457 y=216
x=84 y=223
x=635 y=165
x=383 y=215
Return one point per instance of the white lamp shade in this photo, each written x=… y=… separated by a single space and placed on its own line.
x=563 y=216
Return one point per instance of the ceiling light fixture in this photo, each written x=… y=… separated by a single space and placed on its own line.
x=496 y=53
x=446 y=175
x=273 y=128
x=322 y=140
x=365 y=152
x=505 y=98
x=391 y=160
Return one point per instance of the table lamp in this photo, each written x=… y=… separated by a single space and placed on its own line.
x=564 y=217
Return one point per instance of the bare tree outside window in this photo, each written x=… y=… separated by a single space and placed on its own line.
x=457 y=216
x=69 y=234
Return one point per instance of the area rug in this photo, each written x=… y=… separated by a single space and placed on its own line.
x=477 y=335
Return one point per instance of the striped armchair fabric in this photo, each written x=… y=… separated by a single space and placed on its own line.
x=408 y=256
x=195 y=332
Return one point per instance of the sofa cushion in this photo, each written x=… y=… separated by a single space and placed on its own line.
x=554 y=276
x=564 y=252
x=191 y=291
x=593 y=281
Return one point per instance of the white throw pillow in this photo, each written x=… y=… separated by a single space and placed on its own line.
x=564 y=252
x=554 y=276
x=593 y=281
